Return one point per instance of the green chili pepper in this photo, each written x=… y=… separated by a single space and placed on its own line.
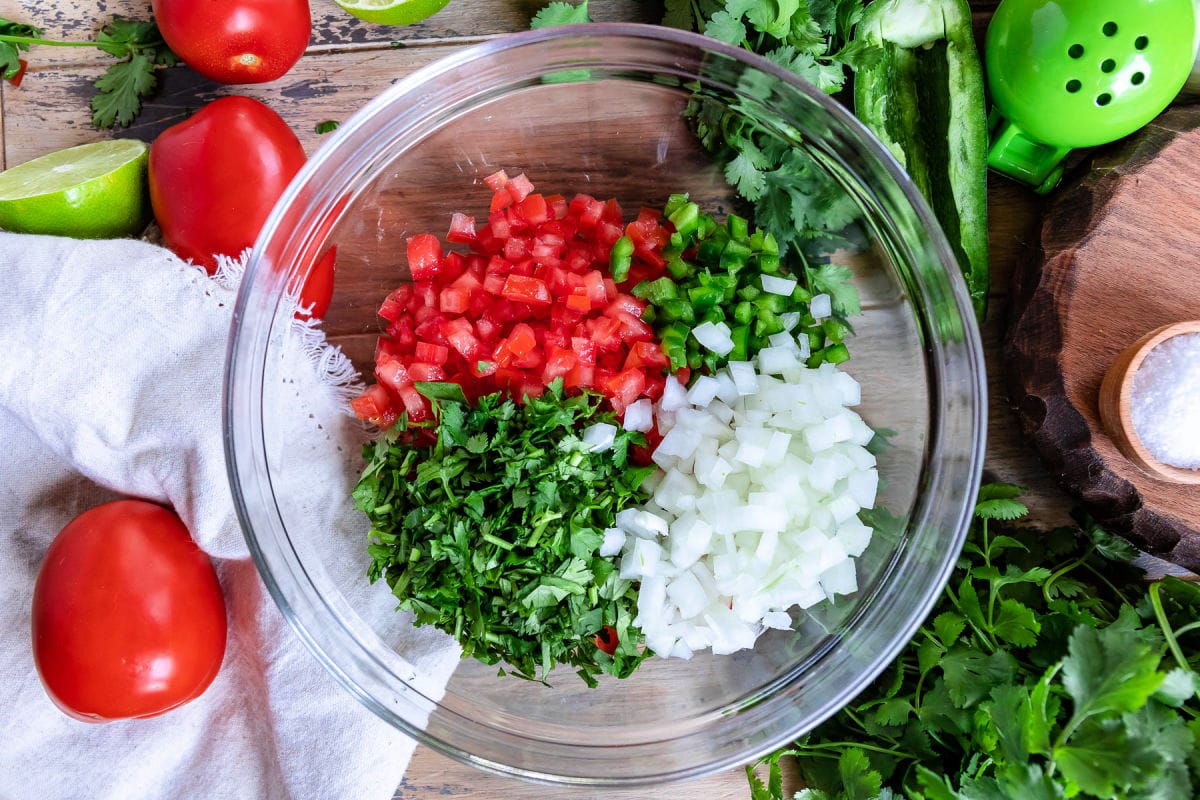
x=620 y=259
x=925 y=100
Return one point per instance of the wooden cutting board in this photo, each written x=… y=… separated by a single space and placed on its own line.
x=1120 y=256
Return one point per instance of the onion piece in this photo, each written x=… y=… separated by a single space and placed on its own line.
x=756 y=510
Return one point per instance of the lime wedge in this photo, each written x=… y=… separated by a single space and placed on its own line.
x=93 y=191
x=392 y=12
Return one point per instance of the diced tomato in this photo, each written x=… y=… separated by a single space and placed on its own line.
x=606 y=640
x=496 y=180
x=462 y=229
x=558 y=206
x=559 y=362
x=424 y=256
x=499 y=225
x=431 y=353
x=454 y=300
x=420 y=371
x=579 y=301
x=581 y=377
x=533 y=207
x=396 y=303
x=459 y=334
x=516 y=248
x=375 y=406
x=606 y=333
x=529 y=302
x=625 y=303
x=525 y=290
x=646 y=354
x=392 y=374
x=519 y=187
x=521 y=340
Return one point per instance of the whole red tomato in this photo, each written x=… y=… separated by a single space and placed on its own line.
x=128 y=616
x=236 y=41
x=215 y=177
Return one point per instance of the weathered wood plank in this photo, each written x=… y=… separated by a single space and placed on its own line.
x=332 y=28
x=432 y=775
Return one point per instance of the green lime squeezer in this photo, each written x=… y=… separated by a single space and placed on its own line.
x=1065 y=74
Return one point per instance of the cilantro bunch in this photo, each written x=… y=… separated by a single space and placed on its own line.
x=137 y=46
x=492 y=531
x=793 y=196
x=1050 y=669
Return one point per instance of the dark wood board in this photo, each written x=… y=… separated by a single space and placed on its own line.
x=1120 y=257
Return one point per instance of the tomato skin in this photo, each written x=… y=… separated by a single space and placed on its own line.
x=215 y=177
x=236 y=41
x=128 y=615
x=317 y=292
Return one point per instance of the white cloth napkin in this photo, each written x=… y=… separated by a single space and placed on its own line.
x=111 y=359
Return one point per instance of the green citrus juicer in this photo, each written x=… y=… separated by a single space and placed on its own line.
x=1065 y=74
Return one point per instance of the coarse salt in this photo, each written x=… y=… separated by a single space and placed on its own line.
x=1165 y=401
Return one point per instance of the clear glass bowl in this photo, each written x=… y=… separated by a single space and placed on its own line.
x=600 y=109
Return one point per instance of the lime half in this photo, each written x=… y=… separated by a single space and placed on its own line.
x=93 y=191
x=392 y=12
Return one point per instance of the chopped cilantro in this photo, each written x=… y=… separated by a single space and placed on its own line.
x=491 y=532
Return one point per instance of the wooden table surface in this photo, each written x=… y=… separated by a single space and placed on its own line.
x=348 y=63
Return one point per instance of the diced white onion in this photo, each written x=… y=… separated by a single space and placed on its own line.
x=704 y=391
x=599 y=437
x=773 y=284
x=714 y=336
x=674 y=395
x=614 y=540
x=755 y=507
x=639 y=416
x=821 y=306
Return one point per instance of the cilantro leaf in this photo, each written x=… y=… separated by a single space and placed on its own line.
x=725 y=27
x=1110 y=669
x=836 y=281
x=859 y=780
x=120 y=91
x=1000 y=508
x=560 y=13
x=1016 y=624
x=971 y=675
x=1091 y=759
x=680 y=14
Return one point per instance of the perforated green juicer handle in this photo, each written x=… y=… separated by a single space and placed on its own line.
x=1065 y=74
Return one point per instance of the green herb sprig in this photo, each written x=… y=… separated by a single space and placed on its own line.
x=1050 y=669
x=794 y=197
x=491 y=533
x=124 y=85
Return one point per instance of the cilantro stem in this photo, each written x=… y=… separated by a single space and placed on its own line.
x=1100 y=576
x=1160 y=614
x=130 y=47
x=1070 y=566
x=814 y=749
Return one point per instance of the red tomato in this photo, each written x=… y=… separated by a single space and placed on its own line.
x=317 y=292
x=15 y=80
x=128 y=616
x=215 y=177
x=606 y=639
x=236 y=41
